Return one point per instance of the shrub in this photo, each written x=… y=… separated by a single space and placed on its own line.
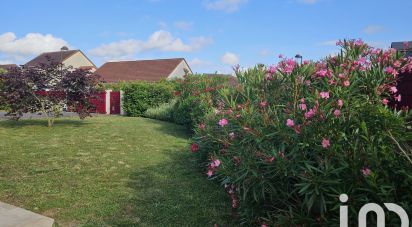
x=196 y=96
x=163 y=112
x=293 y=137
x=140 y=96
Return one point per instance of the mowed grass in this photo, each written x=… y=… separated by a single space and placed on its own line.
x=107 y=171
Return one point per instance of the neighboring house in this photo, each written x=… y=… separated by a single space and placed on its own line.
x=70 y=58
x=143 y=70
x=8 y=66
x=405 y=79
x=404 y=47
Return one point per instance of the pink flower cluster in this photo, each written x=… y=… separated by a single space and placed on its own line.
x=287 y=66
x=366 y=171
x=212 y=167
x=223 y=122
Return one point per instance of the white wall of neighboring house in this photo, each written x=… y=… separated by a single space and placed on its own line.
x=179 y=71
x=77 y=60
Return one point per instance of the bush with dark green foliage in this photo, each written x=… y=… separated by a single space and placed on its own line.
x=140 y=96
x=293 y=137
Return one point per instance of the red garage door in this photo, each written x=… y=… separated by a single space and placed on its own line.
x=115 y=102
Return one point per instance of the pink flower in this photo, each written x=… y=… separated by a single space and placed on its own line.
x=263 y=225
x=290 y=65
x=223 y=122
x=210 y=173
x=340 y=103
x=195 y=147
x=366 y=171
x=325 y=143
x=336 y=113
x=272 y=69
x=263 y=104
x=311 y=113
x=346 y=83
x=202 y=126
x=359 y=42
x=324 y=94
x=322 y=73
x=398 y=98
x=290 y=123
x=392 y=71
x=302 y=106
x=393 y=89
x=385 y=102
x=215 y=163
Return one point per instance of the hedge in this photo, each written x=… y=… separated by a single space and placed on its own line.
x=140 y=96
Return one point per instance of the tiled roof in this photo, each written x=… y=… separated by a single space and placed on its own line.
x=147 y=70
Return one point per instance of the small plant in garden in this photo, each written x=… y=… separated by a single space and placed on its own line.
x=293 y=137
x=47 y=89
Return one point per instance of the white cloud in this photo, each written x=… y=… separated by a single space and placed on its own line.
x=19 y=49
x=225 y=5
x=159 y=40
x=230 y=58
x=309 y=2
x=183 y=25
x=373 y=29
x=196 y=62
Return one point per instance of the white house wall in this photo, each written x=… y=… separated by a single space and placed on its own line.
x=77 y=60
x=179 y=71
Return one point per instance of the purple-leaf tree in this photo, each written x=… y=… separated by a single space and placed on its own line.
x=47 y=89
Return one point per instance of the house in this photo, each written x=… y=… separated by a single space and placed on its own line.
x=405 y=79
x=143 y=70
x=404 y=47
x=8 y=66
x=69 y=58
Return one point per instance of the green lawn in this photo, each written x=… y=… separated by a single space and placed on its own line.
x=107 y=171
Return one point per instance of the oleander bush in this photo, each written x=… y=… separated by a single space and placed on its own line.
x=140 y=96
x=292 y=137
x=196 y=97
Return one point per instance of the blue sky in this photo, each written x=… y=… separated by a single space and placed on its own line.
x=212 y=35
